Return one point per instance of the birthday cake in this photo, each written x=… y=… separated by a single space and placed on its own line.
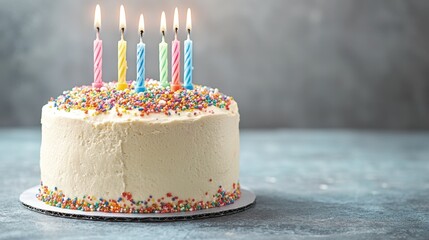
x=158 y=151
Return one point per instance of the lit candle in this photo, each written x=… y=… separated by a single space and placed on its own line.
x=122 y=53
x=175 y=55
x=163 y=61
x=188 y=54
x=98 y=51
x=140 y=87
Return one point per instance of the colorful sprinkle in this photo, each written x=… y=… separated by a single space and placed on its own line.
x=126 y=204
x=156 y=99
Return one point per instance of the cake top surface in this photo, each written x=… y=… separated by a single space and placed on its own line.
x=156 y=99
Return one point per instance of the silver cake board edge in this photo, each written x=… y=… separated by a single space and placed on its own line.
x=29 y=200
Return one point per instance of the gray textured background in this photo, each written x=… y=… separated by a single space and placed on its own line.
x=289 y=63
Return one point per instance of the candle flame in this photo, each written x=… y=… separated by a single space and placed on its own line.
x=141 y=23
x=97 y=17
x=176 y=20
x=163 y=23
x=122 y=21
x=188 y=20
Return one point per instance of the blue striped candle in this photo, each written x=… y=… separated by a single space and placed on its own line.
x=188 y=65
x=140 y=87
x=188 y=54
x=140 y=67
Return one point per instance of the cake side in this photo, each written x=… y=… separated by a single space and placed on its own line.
x=160 y=162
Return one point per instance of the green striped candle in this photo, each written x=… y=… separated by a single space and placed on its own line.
x=163 y=56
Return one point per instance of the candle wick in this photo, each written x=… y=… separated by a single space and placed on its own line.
x=98 y=33
x=163 y=36
x=189 y=33
x=122 y=33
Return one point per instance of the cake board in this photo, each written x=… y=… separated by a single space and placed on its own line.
x=29 y=200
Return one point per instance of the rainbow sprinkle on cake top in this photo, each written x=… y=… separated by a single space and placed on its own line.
x=156 y=99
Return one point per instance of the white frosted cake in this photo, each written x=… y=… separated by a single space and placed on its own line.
x=153 y=152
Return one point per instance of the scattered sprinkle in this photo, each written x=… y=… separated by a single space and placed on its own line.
x=156 y=99
x=126 y=203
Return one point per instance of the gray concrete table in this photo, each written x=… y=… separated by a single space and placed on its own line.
x=309 y=185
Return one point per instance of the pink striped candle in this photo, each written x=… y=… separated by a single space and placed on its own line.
x=175 y=56
x=175 y=65
x=98 y=51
